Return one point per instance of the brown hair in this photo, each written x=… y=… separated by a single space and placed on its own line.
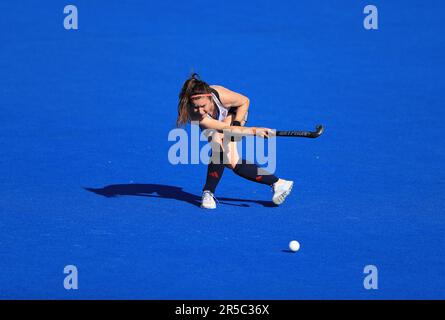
x=193 y=85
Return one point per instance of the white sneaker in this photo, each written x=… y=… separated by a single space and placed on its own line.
x=208 y=200
x=281 y=191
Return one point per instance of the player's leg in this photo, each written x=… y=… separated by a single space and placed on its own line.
x=246 y=169
x=252 y=172
x=215 y=170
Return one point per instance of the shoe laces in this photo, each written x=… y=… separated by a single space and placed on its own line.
x=273 y=187
x=206 y=194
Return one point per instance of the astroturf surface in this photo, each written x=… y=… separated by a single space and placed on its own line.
x=85 y=177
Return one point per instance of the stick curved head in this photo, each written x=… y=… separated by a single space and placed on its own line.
x=318 y=130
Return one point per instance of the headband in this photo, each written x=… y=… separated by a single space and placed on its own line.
x=201 y=95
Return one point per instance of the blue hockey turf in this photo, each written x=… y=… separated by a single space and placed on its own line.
x=85 y=178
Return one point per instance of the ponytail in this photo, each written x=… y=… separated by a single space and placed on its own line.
x=192 y=86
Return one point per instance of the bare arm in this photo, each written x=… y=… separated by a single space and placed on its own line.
x=209 y=123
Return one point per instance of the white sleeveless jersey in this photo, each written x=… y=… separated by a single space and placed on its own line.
x=222 y=111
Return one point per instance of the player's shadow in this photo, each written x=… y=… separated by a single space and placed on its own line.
x=167 y=192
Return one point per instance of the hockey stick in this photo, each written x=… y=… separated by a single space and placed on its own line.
x=302 y=134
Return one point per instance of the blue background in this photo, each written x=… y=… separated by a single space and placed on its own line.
x=92 y=108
